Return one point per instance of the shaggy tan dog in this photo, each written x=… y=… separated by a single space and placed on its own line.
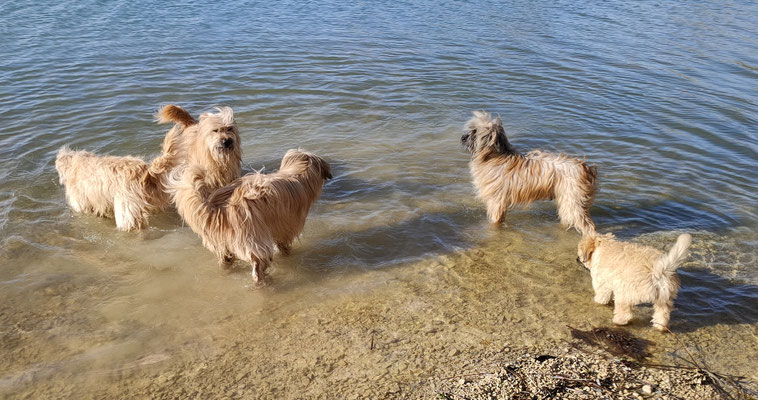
x=633 y=274
x=129 y=189
x=254 y=214
x=504 y=177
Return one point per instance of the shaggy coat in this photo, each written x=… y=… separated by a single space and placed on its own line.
x=214 y=145
x=504 y=177
x=129 y=189
x=633 y=274
x=255 y=214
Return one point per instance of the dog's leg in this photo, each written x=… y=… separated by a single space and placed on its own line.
x=622 y=313
x=124 y=215
x=73 y=202
x=603 y=295
x=225 y=262
x=573 y=214
x=496 y=211
x=661 y=313
x=283 y=247
x=259 y=269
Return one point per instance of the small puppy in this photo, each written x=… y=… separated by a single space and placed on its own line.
x=129 y=189
x=253 y=214
x=504 y=177
x=633 y=274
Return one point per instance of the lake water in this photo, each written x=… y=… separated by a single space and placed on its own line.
x=397 y=276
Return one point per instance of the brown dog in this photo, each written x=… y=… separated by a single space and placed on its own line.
x=504 y=177
x=253 y=215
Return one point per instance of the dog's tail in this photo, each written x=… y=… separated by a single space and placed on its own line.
x=175 y=114
x=170 y=153
x=665 y=267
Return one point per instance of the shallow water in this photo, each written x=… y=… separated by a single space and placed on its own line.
x=397 y=275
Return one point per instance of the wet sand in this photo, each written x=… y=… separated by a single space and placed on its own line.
x=394 y=332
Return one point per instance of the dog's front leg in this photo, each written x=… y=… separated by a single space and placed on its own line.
x=284 y=247
x=496 y=212
x=622 y=313
x=603 y=295
x=259 y=270
x=225 y=262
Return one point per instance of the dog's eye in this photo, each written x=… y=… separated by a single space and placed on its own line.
x=215 y=130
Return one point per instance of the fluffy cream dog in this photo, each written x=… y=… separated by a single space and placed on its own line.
x=504 y=177
x=633 y=274
x=253 y=215
x=129 y=189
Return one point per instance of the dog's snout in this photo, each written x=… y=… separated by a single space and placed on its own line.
x=578 y=261
x=228 y=143
x=464 y=138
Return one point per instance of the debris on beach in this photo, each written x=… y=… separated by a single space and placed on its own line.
x=616 y=341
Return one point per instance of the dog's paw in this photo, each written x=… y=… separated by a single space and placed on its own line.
x=660 y=327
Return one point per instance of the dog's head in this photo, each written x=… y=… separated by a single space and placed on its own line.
x=214 y=144
x=485 y=135
x=587 y=247
x=298 y=161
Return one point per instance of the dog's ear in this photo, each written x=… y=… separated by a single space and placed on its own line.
x=587 y=246
x=326 y=169
x=497 y=140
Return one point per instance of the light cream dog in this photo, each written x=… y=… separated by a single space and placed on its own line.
x=504 y=177
x=130 y=189
x=633 y=274
x=255 y=214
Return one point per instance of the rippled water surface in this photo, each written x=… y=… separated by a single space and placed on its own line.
x=397 y=276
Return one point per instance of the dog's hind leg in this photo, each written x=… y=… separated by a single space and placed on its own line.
x=128 y=213
x=573 y=214
x=661 y=313
x=622 y=313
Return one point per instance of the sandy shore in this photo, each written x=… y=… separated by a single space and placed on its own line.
x=424 y=331
x=570 y=373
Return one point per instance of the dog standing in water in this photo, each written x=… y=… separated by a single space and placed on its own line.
x=130 y=189
x=504 y=177
x=255 y=214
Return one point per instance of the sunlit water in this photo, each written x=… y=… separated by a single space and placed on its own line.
x=397 y=276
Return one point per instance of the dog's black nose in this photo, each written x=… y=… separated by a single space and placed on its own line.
x=227 y=143
x=578 y=261
x=464 y=138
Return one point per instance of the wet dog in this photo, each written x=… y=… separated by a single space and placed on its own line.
x=255 y=214
x=633 y=274
x=130 y=189
x=504 y=177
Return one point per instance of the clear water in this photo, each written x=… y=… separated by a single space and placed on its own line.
x=397 y=276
